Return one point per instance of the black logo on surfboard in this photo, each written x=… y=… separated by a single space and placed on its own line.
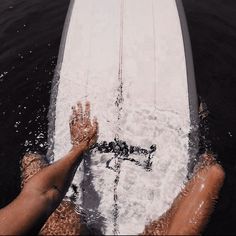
x=124 y=152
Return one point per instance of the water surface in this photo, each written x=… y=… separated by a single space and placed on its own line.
x=30 y=33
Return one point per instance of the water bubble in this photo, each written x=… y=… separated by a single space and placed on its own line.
x=17 y=124
x=3 y=74
x=20 y=55
x=40 y=136
x=26 y=143
x=37 y=117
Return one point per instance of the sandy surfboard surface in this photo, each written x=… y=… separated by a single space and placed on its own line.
x=128 y=58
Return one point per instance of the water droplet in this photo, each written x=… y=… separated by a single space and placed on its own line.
x=17 y=124
x=3 y=74
x=26 y=143
x=41 y=135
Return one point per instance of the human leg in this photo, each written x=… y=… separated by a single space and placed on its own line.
x=65 y=220
x=192 y=208
x=44 y=191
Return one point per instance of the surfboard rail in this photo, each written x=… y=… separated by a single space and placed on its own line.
x=191 y=94
x=192 y=89
x=54 y=87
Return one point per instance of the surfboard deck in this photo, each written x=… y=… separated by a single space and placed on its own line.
x=127 y=58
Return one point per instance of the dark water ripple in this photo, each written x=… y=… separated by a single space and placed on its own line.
x=212 y=25
x=30 y=33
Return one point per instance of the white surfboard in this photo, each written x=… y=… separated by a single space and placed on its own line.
x=132 y=60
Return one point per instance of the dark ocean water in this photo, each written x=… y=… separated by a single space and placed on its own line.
x=30 y=33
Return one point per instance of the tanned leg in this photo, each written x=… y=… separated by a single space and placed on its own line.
x=31 y=164
x=192 y=208
x=64 y=220
x=43 y=193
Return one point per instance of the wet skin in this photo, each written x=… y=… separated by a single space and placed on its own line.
x=43 y=193
x=45 y=186
x=192 y=208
